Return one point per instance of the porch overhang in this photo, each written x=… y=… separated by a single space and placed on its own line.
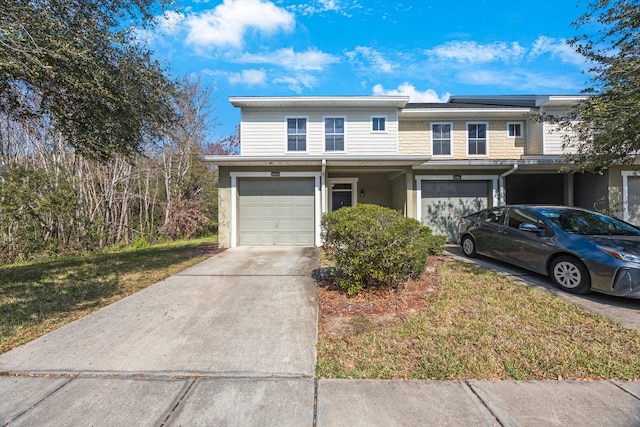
x=542 y=164
x=317 y=161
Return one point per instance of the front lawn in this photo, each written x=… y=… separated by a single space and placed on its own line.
x=462 y=322
x=38 y=297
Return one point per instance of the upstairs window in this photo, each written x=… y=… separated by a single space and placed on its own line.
x=441 y=139
x=334 y=134
x=514 y=130
x=378 y=124
x=477 y=139
x=297 y=134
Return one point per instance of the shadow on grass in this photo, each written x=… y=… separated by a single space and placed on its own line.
x=54 y=290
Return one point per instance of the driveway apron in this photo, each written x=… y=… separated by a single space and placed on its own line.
x=239 y=329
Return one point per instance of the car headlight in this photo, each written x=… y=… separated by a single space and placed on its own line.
x=623 y=256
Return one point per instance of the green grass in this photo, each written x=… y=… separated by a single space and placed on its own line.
x=481 y=325
x=38 y=297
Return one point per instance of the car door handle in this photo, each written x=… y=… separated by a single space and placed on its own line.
x=502 y=232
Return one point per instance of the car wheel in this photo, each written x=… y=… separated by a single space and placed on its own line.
x=469 y=246
x=570 y=274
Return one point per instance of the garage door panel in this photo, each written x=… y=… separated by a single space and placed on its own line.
x=276 y=212
x=443 y=202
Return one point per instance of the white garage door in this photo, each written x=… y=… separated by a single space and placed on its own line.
x=276 y=212
x=443 y=202
x=634 y=200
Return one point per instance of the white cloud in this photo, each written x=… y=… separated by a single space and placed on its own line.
x=519 y=79
x=557 y=48
x=310 y=60
x=169 y=22
x=143 y=36
x=470 y=51
x=227 y=23
x=372 y=57
x=321 y=6
x=248 y=77
x=489 y=77
x=296 y=83
x=407 y=89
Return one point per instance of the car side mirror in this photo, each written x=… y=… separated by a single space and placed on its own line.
x=532 y=228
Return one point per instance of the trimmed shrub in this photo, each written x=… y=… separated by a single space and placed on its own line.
x=435 y=242
x=372 y=246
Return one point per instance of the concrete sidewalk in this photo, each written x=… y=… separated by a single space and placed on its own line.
x=191 y=401
x=231 y=341
x=477 y=403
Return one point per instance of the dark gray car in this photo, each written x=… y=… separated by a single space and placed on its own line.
x=579 y=249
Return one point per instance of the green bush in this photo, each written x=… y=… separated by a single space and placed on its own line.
x=435 y=242
x=372 y=246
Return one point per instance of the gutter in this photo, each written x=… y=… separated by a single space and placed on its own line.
x=503 y=193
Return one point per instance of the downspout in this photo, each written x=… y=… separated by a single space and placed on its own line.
x=323 y=200
x=503 y=192
x=323 y=182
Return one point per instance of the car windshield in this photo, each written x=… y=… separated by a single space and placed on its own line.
x=588 y=223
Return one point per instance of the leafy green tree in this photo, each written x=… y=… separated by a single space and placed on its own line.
x=76 y=63
x=36 y=209
x=604 y=129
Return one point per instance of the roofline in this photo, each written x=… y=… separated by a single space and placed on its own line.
x=539 y=100
x=318 y=101
x=382 y=160
x=526 y=164
x=560 y=100
x=516 y=110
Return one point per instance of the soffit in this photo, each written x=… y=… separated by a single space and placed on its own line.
x=320 y=102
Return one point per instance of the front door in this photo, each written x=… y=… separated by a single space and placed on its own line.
x=341 y=195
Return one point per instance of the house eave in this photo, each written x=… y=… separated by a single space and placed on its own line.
x=316 y=161
x=319 y=101
x=463 y=113
x=557 y=101
x=527 y=163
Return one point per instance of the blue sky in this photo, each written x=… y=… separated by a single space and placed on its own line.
x=425 y=49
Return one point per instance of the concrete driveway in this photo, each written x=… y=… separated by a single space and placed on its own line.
x=625 y=311
x=246 y=318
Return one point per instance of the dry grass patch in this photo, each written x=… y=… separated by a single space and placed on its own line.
x=463 y=322
x=38 y=297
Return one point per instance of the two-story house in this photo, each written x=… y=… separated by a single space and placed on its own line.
x=304 y=156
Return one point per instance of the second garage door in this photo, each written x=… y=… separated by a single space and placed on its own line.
x=443 y=202
x=276 y=211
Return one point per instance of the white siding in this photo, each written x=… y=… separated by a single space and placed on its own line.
x=552 y=140
x=553 y=137
x=263 y=132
